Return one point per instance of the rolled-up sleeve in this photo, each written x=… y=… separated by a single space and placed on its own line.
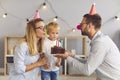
x=19 y=59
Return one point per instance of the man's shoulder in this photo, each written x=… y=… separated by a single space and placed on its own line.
x=101 y=37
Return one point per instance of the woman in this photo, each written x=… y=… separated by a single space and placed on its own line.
x=27 y=59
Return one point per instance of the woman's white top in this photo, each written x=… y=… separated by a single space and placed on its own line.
x=22 y=58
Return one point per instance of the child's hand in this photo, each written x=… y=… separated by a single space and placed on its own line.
x=58 y=63
x=46 y=66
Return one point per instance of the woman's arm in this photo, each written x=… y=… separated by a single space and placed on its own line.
x=40 y=62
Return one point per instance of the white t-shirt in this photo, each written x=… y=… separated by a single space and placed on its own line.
x=47 y=50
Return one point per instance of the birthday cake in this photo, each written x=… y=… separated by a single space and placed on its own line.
x=59 y=50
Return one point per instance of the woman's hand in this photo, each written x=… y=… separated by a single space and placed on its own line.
x=42 y=61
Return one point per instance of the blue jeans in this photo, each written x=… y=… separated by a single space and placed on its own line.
x=49 y=75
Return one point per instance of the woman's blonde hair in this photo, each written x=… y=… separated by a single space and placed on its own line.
x=52 y=25
x=34 y=45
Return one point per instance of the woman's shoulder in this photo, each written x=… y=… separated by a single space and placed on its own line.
x=21 y=44
x=21 y=48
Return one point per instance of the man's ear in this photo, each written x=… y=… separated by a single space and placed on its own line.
x=90 y=25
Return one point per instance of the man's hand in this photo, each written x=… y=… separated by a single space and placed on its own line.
x=70 y=53
x=64 y=56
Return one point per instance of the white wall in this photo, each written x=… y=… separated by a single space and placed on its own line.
x=69 y=14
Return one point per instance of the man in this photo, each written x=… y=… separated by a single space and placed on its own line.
x=104 y=57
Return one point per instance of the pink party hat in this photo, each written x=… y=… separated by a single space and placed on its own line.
x=92 y=10
x=36 y=15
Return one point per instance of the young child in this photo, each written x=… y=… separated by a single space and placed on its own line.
x=51 y=71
